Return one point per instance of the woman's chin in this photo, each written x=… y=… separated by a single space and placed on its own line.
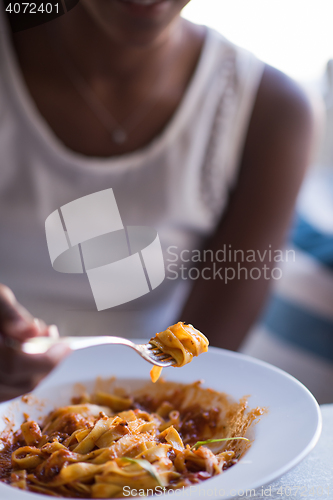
x=134 y=22
x=146 y=8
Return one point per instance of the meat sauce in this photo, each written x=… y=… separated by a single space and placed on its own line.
x=69 y=424
x=9 y=446
x=194 y=423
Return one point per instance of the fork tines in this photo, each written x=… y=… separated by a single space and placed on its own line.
x=162 y=356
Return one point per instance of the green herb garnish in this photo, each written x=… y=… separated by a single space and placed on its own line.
x=147 y=466
x=203 y=443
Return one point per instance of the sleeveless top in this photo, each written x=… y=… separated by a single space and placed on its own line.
x=179 y=184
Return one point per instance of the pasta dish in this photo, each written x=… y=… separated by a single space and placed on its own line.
x=182 y=342
x=111 y=443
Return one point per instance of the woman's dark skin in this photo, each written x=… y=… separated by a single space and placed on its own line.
x=125 y=52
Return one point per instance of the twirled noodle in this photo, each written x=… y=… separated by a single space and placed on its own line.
x=89 y=451
x=27 y=457
x=182 y=342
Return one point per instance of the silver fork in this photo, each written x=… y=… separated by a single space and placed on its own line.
x=149 y=352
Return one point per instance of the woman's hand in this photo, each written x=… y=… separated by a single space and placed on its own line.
x=21 y=372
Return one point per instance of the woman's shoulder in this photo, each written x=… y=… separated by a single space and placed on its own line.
x=225 y=49
x=275 y=89
x=218 y=48
x=282 y=99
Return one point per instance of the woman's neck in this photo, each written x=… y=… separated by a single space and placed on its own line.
x=96 y=51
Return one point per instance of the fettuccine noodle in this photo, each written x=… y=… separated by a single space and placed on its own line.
x=101 y=445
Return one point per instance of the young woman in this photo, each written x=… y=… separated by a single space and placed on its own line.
x=197 y=138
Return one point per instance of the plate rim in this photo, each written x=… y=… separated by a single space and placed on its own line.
x=267 y=479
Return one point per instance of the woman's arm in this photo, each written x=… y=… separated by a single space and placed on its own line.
x=276 y=153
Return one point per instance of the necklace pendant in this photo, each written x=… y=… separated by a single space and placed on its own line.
x=119 y=136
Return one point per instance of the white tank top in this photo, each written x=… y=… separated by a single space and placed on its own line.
x=179 y=184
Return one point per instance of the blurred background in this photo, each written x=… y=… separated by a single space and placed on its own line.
x=297 y=34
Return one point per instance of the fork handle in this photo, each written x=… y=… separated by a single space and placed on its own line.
x=39 y=345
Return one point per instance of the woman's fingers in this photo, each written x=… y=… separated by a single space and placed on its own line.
x=15 y=321
x=42 y=364
x=21 y=372
x=44 y=330
x=17 y=367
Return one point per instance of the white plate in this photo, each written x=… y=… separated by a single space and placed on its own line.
x=283 y=437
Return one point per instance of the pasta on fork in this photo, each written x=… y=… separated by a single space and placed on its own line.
x=182 y=342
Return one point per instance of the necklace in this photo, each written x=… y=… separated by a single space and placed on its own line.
x=119 y=132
